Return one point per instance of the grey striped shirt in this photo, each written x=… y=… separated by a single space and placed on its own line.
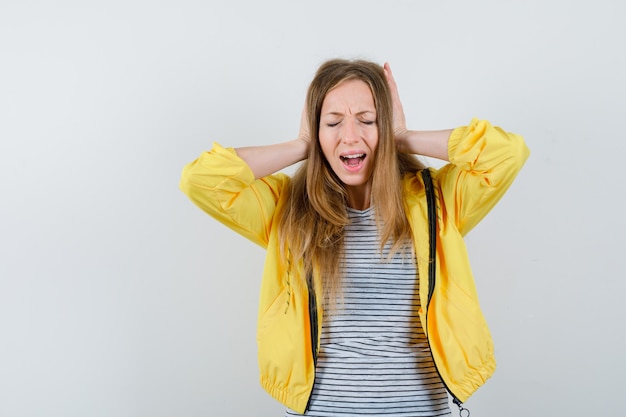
x=374 y=358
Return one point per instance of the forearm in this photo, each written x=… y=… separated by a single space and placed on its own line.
x=430 y=143
x=269 y=159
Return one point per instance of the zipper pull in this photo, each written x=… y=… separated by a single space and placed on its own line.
x=463 y=412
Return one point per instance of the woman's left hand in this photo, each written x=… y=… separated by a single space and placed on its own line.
x=399 y=121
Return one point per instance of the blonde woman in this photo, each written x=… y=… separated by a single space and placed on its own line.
x=368 y=305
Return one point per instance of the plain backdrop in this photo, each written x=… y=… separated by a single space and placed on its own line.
x=119 y=298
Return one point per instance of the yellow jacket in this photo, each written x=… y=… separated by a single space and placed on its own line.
x=484 y=160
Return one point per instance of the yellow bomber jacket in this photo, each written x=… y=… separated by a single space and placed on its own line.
x=484 y=161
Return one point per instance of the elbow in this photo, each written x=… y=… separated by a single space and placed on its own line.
x=185 y=184
x=519 y=152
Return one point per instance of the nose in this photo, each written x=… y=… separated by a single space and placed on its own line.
x=350 y=132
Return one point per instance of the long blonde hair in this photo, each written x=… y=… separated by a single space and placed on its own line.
x=312 y=221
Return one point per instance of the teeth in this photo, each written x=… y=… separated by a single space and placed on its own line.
x=353 y=156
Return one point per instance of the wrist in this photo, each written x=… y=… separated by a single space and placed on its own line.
x=301 y=147
x=403 y=141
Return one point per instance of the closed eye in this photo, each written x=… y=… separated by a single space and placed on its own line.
x=365 y=122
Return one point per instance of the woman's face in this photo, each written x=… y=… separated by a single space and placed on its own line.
x=348 y=137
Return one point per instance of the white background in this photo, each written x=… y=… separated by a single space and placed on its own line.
x=119 y=298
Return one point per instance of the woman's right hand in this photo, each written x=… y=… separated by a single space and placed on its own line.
x=304 y=134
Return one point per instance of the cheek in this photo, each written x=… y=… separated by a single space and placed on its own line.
x=326 y=145
x=372 y=142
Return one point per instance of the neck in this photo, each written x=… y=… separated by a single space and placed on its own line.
x=359 y=197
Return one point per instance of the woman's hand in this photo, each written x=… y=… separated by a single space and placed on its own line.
x=304 y=134
x=433 y=143
x=399 y=121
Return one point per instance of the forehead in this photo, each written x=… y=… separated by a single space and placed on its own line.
x=351 y=95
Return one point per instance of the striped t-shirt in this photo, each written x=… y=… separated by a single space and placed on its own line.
x=374 y=358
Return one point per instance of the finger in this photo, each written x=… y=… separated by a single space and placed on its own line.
x=399 y=121
x=304 y=124
x=389 y=75
x=393 y=87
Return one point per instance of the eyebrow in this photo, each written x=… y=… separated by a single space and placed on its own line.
x=337 y=113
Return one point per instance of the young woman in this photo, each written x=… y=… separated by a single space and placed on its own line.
x=368 y=304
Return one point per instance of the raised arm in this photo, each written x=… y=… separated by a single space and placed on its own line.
x=235 y=186
x=484 y=161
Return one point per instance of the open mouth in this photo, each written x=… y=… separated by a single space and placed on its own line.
x=353 y=160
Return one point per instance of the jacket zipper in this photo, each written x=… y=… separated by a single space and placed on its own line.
x=314 y=331
x=432 y=271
